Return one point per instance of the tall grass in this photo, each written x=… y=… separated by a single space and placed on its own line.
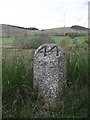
x=20 y=100
x=17 y=84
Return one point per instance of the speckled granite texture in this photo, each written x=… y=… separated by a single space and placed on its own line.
x=49 y=70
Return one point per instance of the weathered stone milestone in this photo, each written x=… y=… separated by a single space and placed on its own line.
x=49 y=69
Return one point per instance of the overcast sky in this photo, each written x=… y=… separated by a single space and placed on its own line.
x=44 y=14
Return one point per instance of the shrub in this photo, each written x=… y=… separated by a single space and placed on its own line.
x=31 y=42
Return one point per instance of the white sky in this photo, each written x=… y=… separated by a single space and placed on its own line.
x=44 y=14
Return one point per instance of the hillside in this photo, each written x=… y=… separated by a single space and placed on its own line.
x=10 y=30
x=77 y=27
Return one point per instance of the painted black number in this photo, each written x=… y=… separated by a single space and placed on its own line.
x=44 y=47
x=56 y=49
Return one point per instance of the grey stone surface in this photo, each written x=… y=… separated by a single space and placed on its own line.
x=49 y=70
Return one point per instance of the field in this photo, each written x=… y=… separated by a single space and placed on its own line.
x=79 y=39
x=57 y=39
x=20 y=99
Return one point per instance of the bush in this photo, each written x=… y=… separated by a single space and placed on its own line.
x=31 y=42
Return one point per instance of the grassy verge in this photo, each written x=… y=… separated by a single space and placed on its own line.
x=20 y=100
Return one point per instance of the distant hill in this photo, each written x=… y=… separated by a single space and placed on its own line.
x=31 y=28
x=11 y=30
x=77 y=27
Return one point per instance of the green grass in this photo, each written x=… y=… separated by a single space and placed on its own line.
x=81 y=39
x=20 y=100
x=0 y=40
x=7 y=40
x=17 y=83
x=58 y=39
